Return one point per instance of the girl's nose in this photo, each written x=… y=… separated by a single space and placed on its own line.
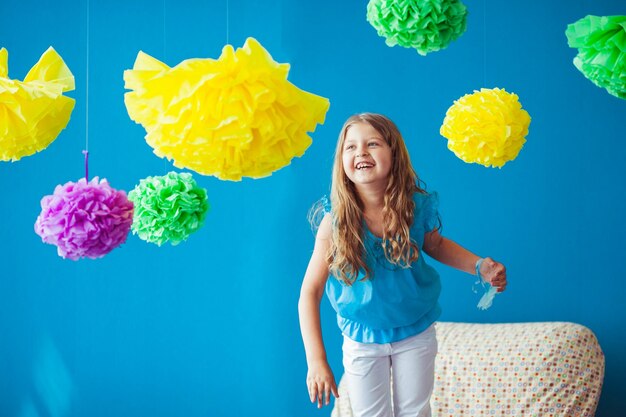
x=362 y=152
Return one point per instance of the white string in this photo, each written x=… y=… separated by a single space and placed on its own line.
x=164 y=37
x=87 y=87
x=485 y=45
x=86 y=150
x=164 y=60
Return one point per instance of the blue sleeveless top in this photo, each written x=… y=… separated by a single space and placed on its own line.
x=395 y=302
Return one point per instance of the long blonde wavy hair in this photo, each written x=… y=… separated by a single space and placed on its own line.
x=346 y=255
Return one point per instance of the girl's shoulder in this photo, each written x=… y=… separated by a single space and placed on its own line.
x=424 y=197
x=324 y=231
x=426 y=209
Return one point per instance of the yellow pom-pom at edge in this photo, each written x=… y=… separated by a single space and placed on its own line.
x=231 y=117
x=33 y=112
x=487 y=127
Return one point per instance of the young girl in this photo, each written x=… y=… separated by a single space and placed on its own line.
x=371 y=240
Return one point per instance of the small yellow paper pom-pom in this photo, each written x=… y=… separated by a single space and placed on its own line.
x=231 y=117
x=34 y=111
x=487 y=127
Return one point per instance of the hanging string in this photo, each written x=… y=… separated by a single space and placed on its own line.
x=164 y=32
x=86 y=151
x=485 y=45
x=227 y=19
x=164 y=60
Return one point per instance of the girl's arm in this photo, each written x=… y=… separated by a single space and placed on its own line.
x=320 y=380
x=452 y=254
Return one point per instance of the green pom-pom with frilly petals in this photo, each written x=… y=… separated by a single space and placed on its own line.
x=426 y=25
x=601 y=43
x=168 y=208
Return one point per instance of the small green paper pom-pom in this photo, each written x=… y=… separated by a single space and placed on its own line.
x=168 y=208
x=426 y=25
x=601 y=43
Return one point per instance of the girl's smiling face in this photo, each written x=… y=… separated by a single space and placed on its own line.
x=366 y=156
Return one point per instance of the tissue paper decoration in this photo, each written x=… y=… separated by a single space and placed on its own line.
x=426 y=25
x=34 y=111
x=85 y=219
x=487 y=127
x=233 y=117
x=601 y=43
x=168 y=208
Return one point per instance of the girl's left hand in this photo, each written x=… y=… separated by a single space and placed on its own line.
x=494 y=273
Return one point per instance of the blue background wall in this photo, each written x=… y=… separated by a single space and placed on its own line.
x=210 y=328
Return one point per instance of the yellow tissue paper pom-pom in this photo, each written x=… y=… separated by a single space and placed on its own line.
x=34 y=111
x=233 y=117
x=487 y=127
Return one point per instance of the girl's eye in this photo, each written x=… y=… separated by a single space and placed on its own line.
x=349 y=147
x=373 y=144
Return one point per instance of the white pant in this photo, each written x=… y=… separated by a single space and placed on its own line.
x=368 y=370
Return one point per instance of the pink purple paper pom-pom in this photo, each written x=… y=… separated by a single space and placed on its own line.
x=85 y=219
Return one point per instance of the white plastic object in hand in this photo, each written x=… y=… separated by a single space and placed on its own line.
x=490 y=292
x=487 y=299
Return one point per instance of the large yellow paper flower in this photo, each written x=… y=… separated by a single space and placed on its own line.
x=487 y=127
x=34 y=111
x=231 y=117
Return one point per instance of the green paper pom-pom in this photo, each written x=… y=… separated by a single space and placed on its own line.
x=601 y=43
x=168 y=208
x=426 y=25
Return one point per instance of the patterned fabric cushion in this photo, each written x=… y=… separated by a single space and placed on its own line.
x=519 y=369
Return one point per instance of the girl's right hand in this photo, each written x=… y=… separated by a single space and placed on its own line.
x=321 y=383
x=494 y=273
